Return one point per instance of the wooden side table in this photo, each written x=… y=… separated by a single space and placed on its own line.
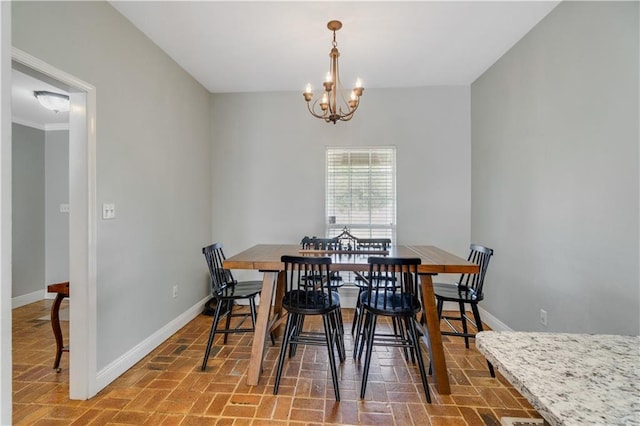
x=62 y=291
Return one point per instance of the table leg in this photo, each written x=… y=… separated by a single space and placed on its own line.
x=277 y=302
x=434 y=342
x=262 y=323
x=57 y=331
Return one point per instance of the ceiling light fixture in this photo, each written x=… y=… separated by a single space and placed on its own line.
x=54 y=101
x=331 y=108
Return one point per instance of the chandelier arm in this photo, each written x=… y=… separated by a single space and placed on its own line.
x=351 y=110
x=347 y=117
x=312 y=110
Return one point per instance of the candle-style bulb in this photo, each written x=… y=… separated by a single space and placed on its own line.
x=308 y=88
x=328 y=78
x=358 y=83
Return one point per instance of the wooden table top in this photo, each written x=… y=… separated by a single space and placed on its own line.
x=266 y=257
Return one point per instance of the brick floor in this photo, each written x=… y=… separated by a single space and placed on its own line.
x=168 y=388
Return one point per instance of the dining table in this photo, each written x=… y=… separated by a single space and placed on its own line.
x=267 y=259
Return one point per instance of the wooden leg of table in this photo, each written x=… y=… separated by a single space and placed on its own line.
x=277 y=302
x=440 y=372
x=260 y=333
x=57 y=331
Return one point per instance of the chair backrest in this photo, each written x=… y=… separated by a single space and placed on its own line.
x=220 y=277
x=327 y=243
x=480 y=255
x=381 y=244
x=315 y=243
x=298 y=269
x=394 y=276
x=307 y=243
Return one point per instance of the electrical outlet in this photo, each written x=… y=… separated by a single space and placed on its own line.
x=108 y=211
x=543 y=317
x=175 y=291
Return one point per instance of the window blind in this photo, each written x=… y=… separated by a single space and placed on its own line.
x=361 y=192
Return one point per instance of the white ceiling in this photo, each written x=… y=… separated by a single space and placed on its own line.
x=272 y=46
x=241 y=46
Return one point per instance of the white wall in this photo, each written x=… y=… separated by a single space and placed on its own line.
x=57 y=192
x=28 y=197
x=555 y=172
x=153 y=162
x=269 y=164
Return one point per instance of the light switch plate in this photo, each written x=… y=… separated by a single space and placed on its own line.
x=108 y=211
x=64 y=208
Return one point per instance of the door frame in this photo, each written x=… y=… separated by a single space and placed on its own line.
x=82 y=226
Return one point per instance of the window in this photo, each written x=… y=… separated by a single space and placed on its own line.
x=361 y=192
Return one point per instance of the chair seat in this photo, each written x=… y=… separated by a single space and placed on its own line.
x=454 y=293
x=310 y=302
x=391 y=303
x=240 y=290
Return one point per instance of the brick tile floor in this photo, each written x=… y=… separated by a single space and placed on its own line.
x=168 y=388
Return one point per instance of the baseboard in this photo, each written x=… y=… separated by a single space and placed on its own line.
x=25 y=299
x=487 y=318
x=348 y=296
x=130 y=358
x=492 y=321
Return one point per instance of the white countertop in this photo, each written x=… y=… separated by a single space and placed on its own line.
x=570 y=379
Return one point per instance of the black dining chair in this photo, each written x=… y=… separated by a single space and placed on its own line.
x=226 y=290
x=366 y=244
x=310 y=297
x=329 y=244
x=400 y=302
x=468 y=290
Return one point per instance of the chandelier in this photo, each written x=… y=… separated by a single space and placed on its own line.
x=333 y=104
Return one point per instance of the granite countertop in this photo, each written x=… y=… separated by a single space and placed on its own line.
x=571 y=379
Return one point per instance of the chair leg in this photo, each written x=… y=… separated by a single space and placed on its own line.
x=283 y=350
x=329 y=332
x=338 y=314
x=464 y=323
x=363 y=334
x=339 y=336
x=296 y=330
x=359 y=330
x=478 y=320
x=398 y=330
x=356 y=313
x=415 y=341
x=228 y=321
x=212 y=335
x=367 y=360
x=252 y=309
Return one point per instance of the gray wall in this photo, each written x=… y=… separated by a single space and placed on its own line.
x=153 y=163
x=555 y=172
x=269 y=175
x=28 y=196
x=57 y=192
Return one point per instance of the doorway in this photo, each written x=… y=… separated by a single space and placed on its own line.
x=82 y=219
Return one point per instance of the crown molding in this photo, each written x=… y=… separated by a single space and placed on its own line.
x=56 y=126
x=46 y=127
x=27 y=123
